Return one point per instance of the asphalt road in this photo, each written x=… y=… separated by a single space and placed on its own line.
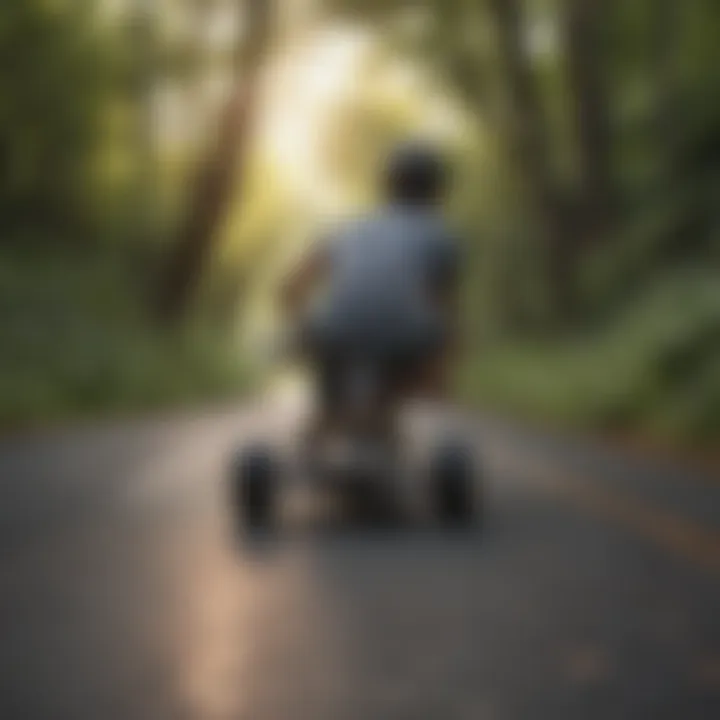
x=593 y=591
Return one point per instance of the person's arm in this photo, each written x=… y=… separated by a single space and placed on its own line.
x=303 y=279
x=450 y=304
x=449 y=287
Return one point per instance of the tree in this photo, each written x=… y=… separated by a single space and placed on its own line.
x=583 y=22
x=53 y=81
x=213 y=186
x=527 y=143
x=572 y=218
x=143 y=28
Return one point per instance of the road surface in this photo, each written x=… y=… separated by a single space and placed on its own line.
x=593 y=592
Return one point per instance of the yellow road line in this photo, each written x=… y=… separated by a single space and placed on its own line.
x=679 y=536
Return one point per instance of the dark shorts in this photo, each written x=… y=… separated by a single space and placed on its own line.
x=392 y=373
x=395 y=360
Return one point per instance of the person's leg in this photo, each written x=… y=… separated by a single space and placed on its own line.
x=324 y=374
x=399 y=368
x=318 y=356
x=430 y=368
x=433 y=378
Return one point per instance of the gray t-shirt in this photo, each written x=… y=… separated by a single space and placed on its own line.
x=383 y=272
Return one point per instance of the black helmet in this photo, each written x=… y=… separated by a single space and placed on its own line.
x=416 y=174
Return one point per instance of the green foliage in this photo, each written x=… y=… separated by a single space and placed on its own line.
x=84 y=196
x=52 y=78
x=75 y=343
x=87 y=192
x=655 y=368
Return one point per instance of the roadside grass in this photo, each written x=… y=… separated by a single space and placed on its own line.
x=76 y=344
x=654 y=371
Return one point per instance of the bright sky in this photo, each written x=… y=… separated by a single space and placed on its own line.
x=303 y=88
x=316 y=75
x=321 y=76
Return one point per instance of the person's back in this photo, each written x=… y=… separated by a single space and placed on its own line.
x=386 y=272
x=383 y=275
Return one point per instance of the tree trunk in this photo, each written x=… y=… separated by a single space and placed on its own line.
x=527 y=140
x=666 y=31
x=583 y=26
x=143 y=29
x=214 y=185
x=526 y=127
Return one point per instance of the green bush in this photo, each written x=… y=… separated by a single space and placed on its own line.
x=656 y=367
x=76 y=342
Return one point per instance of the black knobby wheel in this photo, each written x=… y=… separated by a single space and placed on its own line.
x=453 y=479
x=255 y=487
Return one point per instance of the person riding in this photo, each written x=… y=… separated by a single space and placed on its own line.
x=384 y=286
